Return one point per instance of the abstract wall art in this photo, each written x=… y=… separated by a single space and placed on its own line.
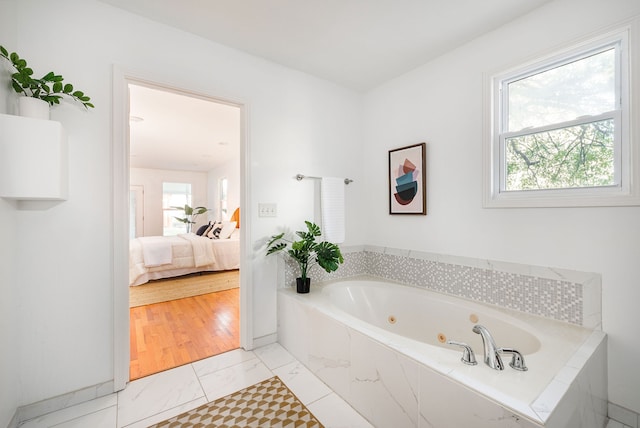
x=407 y=180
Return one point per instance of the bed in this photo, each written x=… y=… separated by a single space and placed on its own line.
x=158 y=257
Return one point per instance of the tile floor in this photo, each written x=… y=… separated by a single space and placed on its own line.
x=158 y=397
x=161 y=396
x=616 y=424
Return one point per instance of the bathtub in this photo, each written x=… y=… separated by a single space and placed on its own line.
x=382 y=347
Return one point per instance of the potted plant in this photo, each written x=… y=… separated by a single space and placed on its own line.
x=190 y=215
x=50 y=88
x=307 y=251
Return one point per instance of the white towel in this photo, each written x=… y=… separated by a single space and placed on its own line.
x=332 y=203
x=155 y=250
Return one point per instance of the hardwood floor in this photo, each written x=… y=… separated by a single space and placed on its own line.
x=170 y=334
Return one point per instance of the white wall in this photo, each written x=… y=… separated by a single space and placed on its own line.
x=8 y=311
x=441 y=103
x=230 y=171
x=151 y=180
x=8 y=314
x=8 y=240
x=63 y=281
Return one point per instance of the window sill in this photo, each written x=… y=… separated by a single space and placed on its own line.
x=561 y=199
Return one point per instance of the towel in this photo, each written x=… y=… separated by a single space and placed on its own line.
x=155 y=250
x=332 y=203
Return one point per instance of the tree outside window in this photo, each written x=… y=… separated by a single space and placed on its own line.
x=578 y=151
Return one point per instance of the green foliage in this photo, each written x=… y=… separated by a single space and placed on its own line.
x=190 y=215
x=577 y=156
x=49 y=87
x=553 y=143
x=586 y=87
x=307 y=251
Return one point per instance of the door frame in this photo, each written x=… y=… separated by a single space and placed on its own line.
x=120 y=214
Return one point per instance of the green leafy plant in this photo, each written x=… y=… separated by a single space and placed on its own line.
x=190 y=215
x=307 y=251
x=50 y=87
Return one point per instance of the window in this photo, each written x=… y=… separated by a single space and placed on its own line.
x=560 y=130
x=223 y=185
x=174 y=195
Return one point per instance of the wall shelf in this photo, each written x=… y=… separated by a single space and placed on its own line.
x=33 y=159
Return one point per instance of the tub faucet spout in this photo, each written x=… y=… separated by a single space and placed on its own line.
x=491 y=351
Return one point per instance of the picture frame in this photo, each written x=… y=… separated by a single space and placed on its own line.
x=408 y=180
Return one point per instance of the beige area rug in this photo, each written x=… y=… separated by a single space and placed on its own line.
x=163 y=290
x=266 y=404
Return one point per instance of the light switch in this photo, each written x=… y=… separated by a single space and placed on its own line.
x=267 y=210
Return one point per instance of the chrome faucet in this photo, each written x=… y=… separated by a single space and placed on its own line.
x=491 y=351
x=468 y=357
x=517 y=360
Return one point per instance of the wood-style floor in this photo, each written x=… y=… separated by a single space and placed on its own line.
x=170 y=334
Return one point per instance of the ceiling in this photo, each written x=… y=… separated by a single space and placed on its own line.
x=355 y=43
x=175 y=131
x=358 y=44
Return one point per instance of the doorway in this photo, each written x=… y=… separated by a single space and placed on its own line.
x=181 y=148
x=122 y=214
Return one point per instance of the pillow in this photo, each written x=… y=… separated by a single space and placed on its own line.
x=227 y=229
x=208 y=230
x=214 y=232
x=202 y=229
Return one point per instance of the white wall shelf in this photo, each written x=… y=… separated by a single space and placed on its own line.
x=33 y=159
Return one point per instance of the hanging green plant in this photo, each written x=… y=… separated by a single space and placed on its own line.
x=50 y=87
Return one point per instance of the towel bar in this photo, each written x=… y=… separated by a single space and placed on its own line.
x=299 y=177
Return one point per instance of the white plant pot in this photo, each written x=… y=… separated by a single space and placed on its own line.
x=33 y=107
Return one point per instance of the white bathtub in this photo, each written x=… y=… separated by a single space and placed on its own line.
x=378 y=345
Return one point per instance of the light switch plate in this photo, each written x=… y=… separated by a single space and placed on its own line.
x=267 y=210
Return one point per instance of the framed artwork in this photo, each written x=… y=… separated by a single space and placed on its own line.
x=408 y=180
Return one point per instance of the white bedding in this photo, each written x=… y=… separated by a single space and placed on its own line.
x=156 y=251
x=189 y=254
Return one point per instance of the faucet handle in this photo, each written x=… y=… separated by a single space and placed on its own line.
x=468 y=357
x=517 y=360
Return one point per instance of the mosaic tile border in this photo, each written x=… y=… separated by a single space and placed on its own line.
x=564 y=295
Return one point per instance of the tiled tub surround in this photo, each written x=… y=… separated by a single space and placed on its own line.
x=560 y=294
x=397 y=381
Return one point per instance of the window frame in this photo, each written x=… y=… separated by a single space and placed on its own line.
x=623 y=192
x=223 y=196
x=169 y=211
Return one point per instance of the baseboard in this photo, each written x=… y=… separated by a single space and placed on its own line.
x=13 y=423
x=35 y=410
x=625 y=416
x=265 y=340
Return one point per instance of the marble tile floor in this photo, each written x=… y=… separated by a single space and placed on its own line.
x=158 y=397
x=616 y=424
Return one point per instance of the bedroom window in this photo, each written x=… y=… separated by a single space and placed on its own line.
x=174 y=195
x=560 y=130
x=223 y=185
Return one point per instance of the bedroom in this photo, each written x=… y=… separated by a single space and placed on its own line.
x=183 y=287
